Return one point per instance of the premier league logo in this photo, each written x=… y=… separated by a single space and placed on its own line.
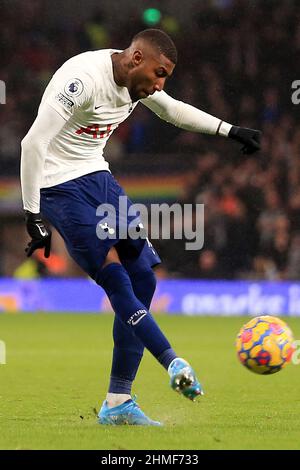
x=74 y=87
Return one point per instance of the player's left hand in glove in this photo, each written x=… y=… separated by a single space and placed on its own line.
x=250 y=138
x=39 y=233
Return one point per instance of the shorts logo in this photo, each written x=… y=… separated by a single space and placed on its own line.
x=74 y=87
x=136 y=317
x=106 y=228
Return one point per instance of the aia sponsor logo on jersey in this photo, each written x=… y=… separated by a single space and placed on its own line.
x=94 y=130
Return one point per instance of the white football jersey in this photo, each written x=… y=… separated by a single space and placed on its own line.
x=83 y=92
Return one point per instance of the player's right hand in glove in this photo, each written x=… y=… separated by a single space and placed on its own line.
x=39 y=233
x=250 y=138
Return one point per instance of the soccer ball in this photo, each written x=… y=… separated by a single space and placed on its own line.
x=265 y=345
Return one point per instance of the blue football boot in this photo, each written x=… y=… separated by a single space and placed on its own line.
x=183 y=379
x=127 y=413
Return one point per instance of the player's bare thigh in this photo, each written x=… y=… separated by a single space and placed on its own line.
x=112 y=257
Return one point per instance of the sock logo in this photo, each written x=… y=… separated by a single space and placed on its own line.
x=136 y=317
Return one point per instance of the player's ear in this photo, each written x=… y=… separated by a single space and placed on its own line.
x=137 y=57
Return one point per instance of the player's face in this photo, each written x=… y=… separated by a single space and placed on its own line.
x=149 y=73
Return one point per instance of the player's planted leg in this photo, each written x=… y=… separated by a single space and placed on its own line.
x=127 y=354
x=128 y=349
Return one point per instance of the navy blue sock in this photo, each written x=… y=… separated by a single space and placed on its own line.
x=167 y=357
x=130 y=310
x=144 y=285
x=128 y=349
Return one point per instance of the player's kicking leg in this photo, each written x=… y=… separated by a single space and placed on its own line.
x=183 y=379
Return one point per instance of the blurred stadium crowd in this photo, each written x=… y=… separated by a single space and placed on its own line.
x=237 y=60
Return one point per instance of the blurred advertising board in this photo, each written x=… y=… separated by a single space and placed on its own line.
x=182 y=297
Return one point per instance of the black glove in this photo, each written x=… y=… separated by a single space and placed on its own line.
x=250 y=138
x=39 y=233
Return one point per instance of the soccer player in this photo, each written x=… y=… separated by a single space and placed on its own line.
x=65 y=178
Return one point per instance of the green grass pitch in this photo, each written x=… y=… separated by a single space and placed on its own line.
x=57 y=373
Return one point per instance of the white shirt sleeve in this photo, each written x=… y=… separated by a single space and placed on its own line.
x=184 y=115
x=68 y=91
x=34 y=148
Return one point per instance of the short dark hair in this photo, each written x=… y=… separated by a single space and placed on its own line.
x=160 y=40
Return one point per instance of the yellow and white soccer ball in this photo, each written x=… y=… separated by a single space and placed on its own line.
x=265 y=345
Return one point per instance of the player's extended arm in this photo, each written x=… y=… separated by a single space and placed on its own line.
x=34 y=148
x=192 y=119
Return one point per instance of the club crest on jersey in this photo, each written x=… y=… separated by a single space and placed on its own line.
x=74 y=87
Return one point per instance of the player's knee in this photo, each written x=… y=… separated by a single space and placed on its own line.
x=113 y=278
x=110 y=266
x=146 y=276
x=111 y=257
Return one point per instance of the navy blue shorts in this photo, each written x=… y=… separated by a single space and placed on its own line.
x=71 y=208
